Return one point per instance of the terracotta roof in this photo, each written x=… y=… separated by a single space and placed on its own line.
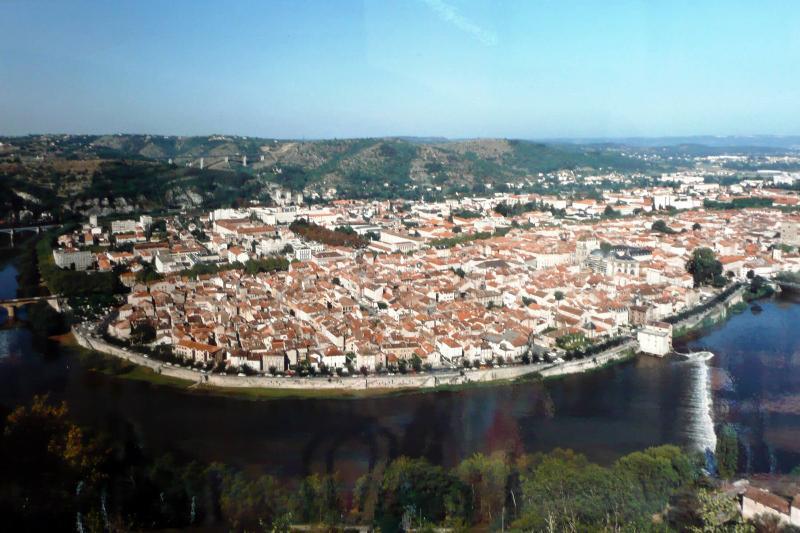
x=199 y=346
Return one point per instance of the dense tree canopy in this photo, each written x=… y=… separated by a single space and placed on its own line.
x=661 y=227
x=43 y=457
x=338 y=237
x=53 y=473
x=705 y=268
x=70 y=282
x=428 y=491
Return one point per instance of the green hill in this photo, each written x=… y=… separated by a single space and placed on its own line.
x=153 y=172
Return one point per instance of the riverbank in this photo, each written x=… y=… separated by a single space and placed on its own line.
x=356 y=386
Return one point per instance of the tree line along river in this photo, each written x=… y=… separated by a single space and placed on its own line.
x=753 y=383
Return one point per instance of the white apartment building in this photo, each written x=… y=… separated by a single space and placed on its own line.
x=655 y=338
x=72 y=259
x=123 y=226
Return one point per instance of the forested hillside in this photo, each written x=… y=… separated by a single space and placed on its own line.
x=156 y=172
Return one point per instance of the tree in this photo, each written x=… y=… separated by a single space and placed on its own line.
x=557 y=491
x=655 y=473
x=143 y=333
x=43 y=457
x=704 y=267
x=337 y=237
x=558 y=295
x=416 y=363
x=318 y=500
x=486 y=478
x=718 y=512
x=758 y=288
x=610 y=212
x=247 y=503
x=45 y=321
x=727 y=452
x=661 y=227
x=267 y=264
x=148 y=274
x=432 y=493
x=696 y=226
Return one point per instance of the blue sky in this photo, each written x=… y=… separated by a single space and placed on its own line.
x=339 y=68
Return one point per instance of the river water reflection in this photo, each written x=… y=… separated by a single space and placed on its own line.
x=756 y=380
x=604 y=414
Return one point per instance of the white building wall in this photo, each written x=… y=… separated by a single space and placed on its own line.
x=654 y=342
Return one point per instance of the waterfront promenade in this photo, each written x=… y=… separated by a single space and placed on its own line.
x=428 y=380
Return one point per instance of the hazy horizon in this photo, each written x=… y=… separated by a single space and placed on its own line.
x=421 y=137
x=423 y=68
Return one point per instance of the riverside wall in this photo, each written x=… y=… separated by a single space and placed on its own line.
x=428 y=380
x=718 y=312
x=609 y=356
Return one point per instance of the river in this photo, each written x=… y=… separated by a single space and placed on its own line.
x=604 y=414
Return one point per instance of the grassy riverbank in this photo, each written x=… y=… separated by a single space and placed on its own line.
x=114 y=366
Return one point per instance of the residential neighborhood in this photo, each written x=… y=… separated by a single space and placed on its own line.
x=366 y=286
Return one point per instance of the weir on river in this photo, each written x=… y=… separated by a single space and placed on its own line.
x=699 y=406
x=700 y=401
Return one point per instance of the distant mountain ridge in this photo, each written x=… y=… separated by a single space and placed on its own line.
x=157 y=171
x=391 y=165
x=789 y=142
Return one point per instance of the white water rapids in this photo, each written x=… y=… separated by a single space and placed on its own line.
x=699 y=405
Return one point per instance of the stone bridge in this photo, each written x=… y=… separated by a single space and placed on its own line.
x=36 y=229
x=11 y=305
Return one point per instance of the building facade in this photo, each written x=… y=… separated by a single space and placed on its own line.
x=72 y=259
x=655 y=338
